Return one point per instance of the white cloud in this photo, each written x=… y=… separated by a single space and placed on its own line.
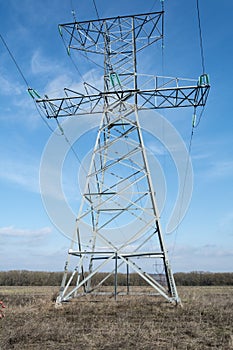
x=201 y=156
x=12 y=231
x=41 y=64
x=9 y=88
x=225 y=225
x=221 y=168
x=217 y=169
x=54 y=89
x=23 y=173
x=156 y=148
x=207 y=250
x=61 y=77
x=207 y=257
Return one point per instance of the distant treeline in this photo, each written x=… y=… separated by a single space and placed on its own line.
x=197 y=278
x=42 y=278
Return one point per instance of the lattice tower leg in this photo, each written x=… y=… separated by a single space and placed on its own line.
x=118 y=221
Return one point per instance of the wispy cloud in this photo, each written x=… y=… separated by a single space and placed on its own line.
x=55 y=87
x=226 y=223
x=65 y=80
x=23 y=173
x=207 y=257
x=9 y=87
x=206 y=250
x=42 y=64
x=156 y=148
x=222 y=168
x=11 y=231
x=218 y=169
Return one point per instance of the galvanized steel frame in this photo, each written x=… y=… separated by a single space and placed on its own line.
x=124 y=93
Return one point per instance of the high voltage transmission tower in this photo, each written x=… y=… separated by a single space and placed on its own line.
x=119 y=188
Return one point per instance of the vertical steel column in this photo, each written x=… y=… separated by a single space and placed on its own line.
x=127 y=277
x=115 y=276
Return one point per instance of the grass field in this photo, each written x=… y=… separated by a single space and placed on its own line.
x=132 y=322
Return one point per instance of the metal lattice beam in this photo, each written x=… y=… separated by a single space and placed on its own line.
x=92 y=36
x=118 y=183
x=162 y=97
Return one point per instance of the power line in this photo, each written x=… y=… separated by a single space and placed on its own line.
x=42 y=117
x=200 y=36
x=14 y=60
x=25 y=80
x=184 y=185
x=33 y=94
x=155 y=2
x=73 y=10
x=69 y=143
x=73 y=62
x=97 y=13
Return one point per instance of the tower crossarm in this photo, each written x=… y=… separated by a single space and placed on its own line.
x=171 y=93
x=91 y=36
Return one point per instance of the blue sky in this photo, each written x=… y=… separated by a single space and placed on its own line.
x=28 y=239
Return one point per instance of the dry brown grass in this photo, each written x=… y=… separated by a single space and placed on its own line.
x=137 y=322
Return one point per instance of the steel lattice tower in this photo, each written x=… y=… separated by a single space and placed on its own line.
x=119 y=187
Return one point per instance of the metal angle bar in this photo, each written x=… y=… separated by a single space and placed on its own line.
x=126 y=165
x=111 y=18
x=121 y=262
x=136 y=254
x=145 y=255
x=99 y=193
x=76 y=271
x=123 y=179
x=148 y=278
x=125 y=255
x=119 y=265
x=91 y=163
x=109 y=188
x=119 y=193
x=85 y=33
x=115 y=216
x=128 y=209
x=204 y=95
x=83 y=252
x=147 y=95
x=109 y=244
x=146 y=20
x=69 y=295
x=86 y=30
x=123 y=116
x=116 y=138
x=119 y=92
x=187 y=96
x=131 y=165
x=74 y=103
x=133 y=151
x=139 y=234
x=120 y=41
x=155 y=231
x=126 y=140
x=156 y=285
x=123 y=65
x=124 y=133
x=121 y=158
x=156 y=21
x=120 y=59
x=135 y=208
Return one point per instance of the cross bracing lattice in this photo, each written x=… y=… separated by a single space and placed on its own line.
x=118 y=223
